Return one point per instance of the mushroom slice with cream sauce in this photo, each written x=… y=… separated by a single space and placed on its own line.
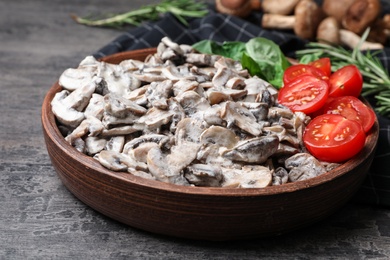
x=185 y=118
x=234 y=113
x=255 y=150
x=251 y=176
x=119 y=161
x=204 y=175
x=65 y=115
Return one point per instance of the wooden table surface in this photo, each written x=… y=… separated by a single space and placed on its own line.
x=41 y=219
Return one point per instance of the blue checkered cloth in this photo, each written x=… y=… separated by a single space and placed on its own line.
x=219 y=27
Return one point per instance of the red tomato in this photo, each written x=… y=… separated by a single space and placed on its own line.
x=346 y=81
x=323 y=64
x=306 y=94
x=298 y=70
x=352 y=108
x=333 y=138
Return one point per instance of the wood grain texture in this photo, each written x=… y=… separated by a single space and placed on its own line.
x=41 y=219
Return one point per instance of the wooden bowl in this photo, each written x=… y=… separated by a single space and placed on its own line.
x=198 y=212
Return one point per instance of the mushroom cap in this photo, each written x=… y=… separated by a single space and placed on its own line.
x=284 y=7
x=328 y=31
x=336 y=8
x=240 y=8
x=378 y=32
x=360 y=15
x=308 y=15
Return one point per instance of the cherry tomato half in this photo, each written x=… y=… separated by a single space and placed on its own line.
x=298 y=70
x=333 y=138
x=352 y=108
x=346 y=81
x=305 y=94
x=323 y=64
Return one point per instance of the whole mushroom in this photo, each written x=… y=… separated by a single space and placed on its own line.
x=307 y=16
x=330 y=32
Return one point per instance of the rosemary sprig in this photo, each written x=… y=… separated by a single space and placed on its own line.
x=376 y=77
x=179 y=8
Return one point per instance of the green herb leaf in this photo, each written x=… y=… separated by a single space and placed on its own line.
x=260 y=56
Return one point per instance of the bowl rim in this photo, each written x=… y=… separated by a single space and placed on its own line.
x=50 y=127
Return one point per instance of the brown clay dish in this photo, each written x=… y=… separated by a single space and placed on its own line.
x=197 y=212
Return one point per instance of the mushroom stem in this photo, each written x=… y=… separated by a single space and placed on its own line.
x=278 y=21
x=352 y=40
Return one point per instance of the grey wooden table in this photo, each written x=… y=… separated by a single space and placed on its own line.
x=41 y=219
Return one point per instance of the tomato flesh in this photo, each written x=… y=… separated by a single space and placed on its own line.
x=346 y=81
x=305 y=94
x=298 y=70
x=323 y=64
x=333 y=138
x=352 y=108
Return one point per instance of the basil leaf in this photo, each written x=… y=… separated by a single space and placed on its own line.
x=233 y=50
x=260 y=56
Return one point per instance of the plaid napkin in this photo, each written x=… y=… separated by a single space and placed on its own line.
x=219 y=27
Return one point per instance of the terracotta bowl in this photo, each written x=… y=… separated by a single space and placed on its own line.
x=197 y=212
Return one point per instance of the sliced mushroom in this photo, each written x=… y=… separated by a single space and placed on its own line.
x=256 y=150
x=181 y=155
x=220 y=136
x=140 y=153
x=155 y=118
x=120 y=107
x=189 y=130
x=122 y=130
x=251 y=176
x=95 y=106
x=159 y=139
x=234 y=113
x=119 y=162
x=115 y=143
x=192 y=102
x=200 y=59
x=204 y=175
x=158 y=93
x=65 y=115
x=280 y=176
x=303 y=166
x=94 y=145
x=72 y=79
x=160 y=168
x=90 y=125
x=79 y=98
x=184 y=85
x=118 y=81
